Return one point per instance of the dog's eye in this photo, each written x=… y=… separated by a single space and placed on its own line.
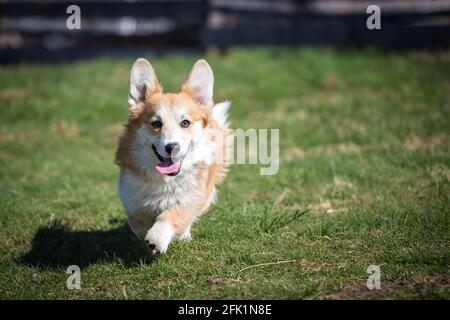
x=185 y=123
x=156 y=124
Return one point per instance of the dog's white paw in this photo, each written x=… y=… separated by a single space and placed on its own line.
x=159 y=237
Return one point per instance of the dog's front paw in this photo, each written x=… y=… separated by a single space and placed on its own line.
x=186 y=235
x=159 y=237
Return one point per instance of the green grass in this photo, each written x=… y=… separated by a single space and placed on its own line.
x=365 y=151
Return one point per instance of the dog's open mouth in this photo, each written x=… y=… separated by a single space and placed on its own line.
x=168 y=166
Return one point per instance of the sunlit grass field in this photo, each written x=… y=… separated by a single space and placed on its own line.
x=364 y=152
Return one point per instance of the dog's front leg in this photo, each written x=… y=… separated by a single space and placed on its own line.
x=168 y=225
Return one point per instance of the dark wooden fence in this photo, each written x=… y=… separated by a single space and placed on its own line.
x=405 y=24
x=36 y=30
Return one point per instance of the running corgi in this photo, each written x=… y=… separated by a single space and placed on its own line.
x=172 y=154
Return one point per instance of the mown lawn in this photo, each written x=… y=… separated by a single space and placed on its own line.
x=364 y=148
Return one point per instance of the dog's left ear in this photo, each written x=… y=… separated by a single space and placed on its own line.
x=200 y=82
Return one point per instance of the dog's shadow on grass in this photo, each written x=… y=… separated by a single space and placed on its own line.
x=57 y=246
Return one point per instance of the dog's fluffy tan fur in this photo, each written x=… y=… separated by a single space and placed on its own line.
x=162 y=207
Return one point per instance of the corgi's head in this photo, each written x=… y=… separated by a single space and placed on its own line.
x=170 y=133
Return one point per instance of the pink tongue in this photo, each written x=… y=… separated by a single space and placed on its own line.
x=167 y=166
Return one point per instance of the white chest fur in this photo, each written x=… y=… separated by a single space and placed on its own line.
x=152 y=195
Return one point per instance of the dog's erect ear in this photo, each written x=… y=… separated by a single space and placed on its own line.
x=143 y=81
x=199 y=83
x=220 y=112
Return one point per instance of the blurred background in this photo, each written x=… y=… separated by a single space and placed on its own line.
x=37 y=31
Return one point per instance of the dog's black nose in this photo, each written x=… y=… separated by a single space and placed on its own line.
x=170 y=146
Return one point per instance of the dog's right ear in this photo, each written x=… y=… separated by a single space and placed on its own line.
x=143 y=82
